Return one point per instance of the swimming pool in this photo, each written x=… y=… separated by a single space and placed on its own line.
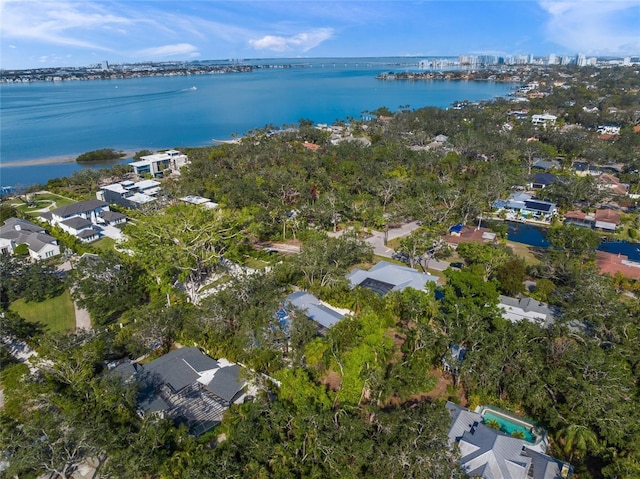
x=509 y=424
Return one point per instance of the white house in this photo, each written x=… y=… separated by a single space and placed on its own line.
x=129 y=194
x=17 y=231
x=158 y=163
x=544 y=120
x=80 y=219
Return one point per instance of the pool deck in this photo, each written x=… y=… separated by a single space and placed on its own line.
x=542 y=439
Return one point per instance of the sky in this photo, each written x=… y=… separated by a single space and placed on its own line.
x=59 y=33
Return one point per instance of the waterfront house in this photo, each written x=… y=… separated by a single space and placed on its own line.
x=606 y=220
x=157 y=164
x=613 y=264
x=385 y=277
x=16 y=231
x=524 y=206
x=468 y=234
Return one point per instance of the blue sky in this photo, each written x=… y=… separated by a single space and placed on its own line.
x=82 y=32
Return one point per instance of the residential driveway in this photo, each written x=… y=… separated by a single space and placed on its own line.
x=376 y=240
x=112 y=232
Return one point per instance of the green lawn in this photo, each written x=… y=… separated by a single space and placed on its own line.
x=41 y=201
x=57 y=314
x=104 y=244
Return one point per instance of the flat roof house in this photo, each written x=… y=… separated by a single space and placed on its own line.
x=16 y=231
x=543 y=120
x=129 y=194
x=385 y=277
x=158 y=163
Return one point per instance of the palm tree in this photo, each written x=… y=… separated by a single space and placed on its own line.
x=577 y=441
x=493 y=424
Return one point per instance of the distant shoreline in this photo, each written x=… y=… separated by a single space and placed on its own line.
x=62 y=160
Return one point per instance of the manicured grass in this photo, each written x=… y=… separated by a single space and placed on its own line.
x=41 y=201
x=104 y=244
x=57 y=314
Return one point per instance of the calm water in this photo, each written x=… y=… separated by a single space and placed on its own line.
x=41 y=120
x=537 y=236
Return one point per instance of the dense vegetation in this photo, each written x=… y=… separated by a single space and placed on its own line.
x=360 y=400
x=98 y=156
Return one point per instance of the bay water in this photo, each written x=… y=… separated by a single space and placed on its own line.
x=64 y=119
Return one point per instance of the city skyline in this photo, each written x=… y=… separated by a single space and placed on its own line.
x=37 y=34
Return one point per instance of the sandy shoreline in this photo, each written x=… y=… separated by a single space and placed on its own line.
x=63 y=159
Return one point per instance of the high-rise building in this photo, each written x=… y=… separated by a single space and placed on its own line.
x=105 y=65
x=551 y=60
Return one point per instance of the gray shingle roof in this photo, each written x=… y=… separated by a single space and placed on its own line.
x=17 y=224
x=384 y=274
x=491 y=454
x=180 y=368
x=28 y=233
x=77 y=223
x=78 y=208
x=226 y=383
x=110 y=216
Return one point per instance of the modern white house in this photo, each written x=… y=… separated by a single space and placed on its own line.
x=200 y=201
x=17 y=231
x=129 y=194
x=156 y=164
x=544 y=120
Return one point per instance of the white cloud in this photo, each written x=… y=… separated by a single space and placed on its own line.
x=164 y=51
x=594 y=27
x=301 y=42
x=57 y=23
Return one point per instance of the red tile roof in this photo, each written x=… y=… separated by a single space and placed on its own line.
x=576 y=215
x=310 y=146
x=611 y=264
x=609 y=216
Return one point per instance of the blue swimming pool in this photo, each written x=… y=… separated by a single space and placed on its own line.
x=510 y=425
